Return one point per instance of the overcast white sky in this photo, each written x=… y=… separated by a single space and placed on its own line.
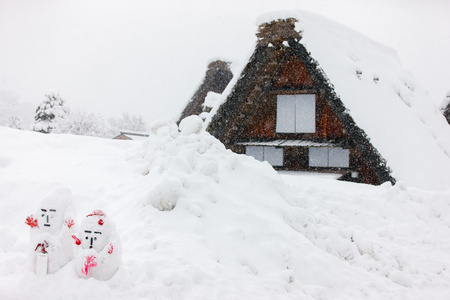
x=148 y=57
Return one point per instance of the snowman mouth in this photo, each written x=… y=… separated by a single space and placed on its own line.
x=47 y=225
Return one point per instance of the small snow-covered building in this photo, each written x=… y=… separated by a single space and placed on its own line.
x=131 y=135
x=317 y=96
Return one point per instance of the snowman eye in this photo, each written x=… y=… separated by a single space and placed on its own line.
x=87 y=238
x=95 y=238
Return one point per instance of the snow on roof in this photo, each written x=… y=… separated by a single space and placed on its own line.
x=383 y=99
x=134 y=135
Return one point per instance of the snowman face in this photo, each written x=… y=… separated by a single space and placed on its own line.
x=93 y=235
x=92 y=239
x=50 y=219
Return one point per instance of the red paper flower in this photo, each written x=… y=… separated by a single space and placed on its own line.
x=91 y=261
x=30 y=221
x=42 y=247
x=69 y=223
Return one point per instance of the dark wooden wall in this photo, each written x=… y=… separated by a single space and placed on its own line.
x=293 y=75
x=262 y=124
x=291 y=79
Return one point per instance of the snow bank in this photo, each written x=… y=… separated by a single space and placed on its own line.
x=197 y=221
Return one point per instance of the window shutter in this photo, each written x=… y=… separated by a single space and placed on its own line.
x=305 y=113
x=318 y=157
x=285 y=114
x=339 y=158
x=274 y=156
x=256 y=152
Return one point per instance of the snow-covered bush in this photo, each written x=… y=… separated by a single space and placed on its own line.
x=49 y=112
x=79 y=122
x=14 y=121
x=13 y=113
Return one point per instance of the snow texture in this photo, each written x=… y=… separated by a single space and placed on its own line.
x=55 y=225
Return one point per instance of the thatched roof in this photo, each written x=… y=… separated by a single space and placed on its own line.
x=217 y=77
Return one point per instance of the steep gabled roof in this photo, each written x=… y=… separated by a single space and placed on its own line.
x=217 y=77
x=382 y=106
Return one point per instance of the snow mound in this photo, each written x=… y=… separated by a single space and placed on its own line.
x=181 y=156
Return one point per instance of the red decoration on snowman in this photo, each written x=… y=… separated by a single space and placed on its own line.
x=31 y=221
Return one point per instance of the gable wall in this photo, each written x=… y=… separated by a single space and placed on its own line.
x=293 y=74
x=262 y=123
x=292 y=78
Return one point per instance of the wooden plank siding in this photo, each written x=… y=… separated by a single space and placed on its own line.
x=293 y=74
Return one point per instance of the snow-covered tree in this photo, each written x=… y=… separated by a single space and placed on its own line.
x=79 y=122
x=9 y=110
x=49 y=112
x=15 y=122
x=126 y=122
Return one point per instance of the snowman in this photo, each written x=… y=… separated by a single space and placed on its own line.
x=51 y=231
x=98 y=248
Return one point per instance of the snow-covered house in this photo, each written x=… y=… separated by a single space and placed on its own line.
x=317 y=96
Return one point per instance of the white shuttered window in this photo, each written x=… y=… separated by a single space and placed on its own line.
x=329 y=157
x=272 y=155
x=296 y=113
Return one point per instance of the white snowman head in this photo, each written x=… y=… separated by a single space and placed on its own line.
x=53 y=210
x=95 y=230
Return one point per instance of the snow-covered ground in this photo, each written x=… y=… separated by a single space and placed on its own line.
x=197 y=221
